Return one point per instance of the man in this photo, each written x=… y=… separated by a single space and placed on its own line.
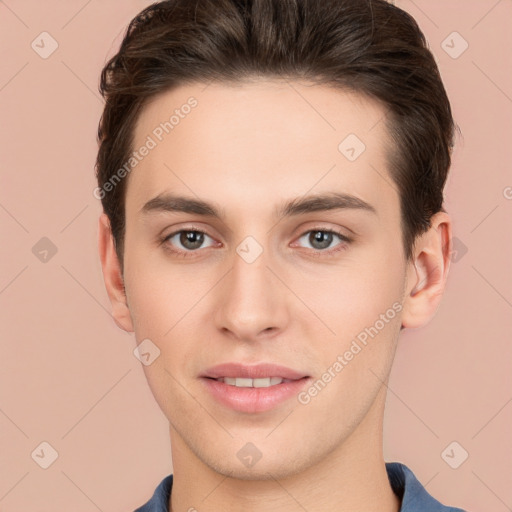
x=272 y=174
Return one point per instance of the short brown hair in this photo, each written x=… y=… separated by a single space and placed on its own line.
x=370 y=47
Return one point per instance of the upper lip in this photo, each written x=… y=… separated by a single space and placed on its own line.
x=256 y=371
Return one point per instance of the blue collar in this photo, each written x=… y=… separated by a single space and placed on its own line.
x=402 y=480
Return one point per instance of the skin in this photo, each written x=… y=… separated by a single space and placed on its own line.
x=247 y=148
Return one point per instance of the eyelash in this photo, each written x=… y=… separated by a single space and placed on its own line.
x=314 y=252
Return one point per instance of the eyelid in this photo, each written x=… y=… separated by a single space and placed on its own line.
x=180 y=228
x=328 y=229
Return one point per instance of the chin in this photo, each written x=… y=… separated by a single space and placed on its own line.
x=262 y=470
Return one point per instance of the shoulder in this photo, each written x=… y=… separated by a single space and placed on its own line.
x=404 y=483
x=159 y=502
x=414 y=496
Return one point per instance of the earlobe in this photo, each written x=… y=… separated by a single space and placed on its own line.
x=112 y=275
x=427 y=273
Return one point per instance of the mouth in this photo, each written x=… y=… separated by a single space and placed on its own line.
x=255 y=388
x=253 y=372
x=242 y=382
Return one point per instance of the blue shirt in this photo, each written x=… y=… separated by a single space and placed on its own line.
x=402 y=480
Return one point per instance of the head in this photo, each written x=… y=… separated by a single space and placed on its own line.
x=250 y=111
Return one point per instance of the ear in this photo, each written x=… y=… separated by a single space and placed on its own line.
x=112 y=275
x=427 y=273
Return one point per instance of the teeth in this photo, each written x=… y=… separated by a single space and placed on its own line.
x=242 y=382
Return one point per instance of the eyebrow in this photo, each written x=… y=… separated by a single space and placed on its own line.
x=167 y=202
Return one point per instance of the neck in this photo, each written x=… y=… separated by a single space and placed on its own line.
x=352 y=477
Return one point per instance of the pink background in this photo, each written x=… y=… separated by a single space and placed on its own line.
x=68 y=374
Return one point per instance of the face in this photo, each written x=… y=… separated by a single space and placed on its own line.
x=262 y=274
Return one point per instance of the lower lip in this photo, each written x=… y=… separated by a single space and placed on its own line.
x=253 y=400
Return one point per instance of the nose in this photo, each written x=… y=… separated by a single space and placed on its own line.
x=252 y=303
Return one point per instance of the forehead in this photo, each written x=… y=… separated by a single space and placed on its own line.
x=257 y=141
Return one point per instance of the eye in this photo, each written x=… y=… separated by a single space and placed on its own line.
x=321 y=239
x=189 y=239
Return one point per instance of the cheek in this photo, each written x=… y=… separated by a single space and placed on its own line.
x=364 y=310
x=162 y=302
x=168 y=306
x=353 y=295
x=361 y=303
x=158 y=294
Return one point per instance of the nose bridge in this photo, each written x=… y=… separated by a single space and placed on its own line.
x=250 y=272
x=250 y=300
